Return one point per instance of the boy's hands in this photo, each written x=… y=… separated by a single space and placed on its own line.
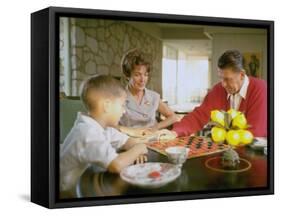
x=137 y=153
x=141 y=159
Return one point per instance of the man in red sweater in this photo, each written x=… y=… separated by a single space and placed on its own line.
x=236 y=90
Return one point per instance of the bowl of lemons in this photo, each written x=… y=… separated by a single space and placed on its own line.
x=230 y=127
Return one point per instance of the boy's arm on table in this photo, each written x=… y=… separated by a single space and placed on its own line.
x=127 y=158
x=132 y=142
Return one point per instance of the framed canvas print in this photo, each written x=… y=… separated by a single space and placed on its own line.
x=138 y=107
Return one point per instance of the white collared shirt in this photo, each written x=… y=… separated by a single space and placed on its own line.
x=235 y=99
x=88 y=143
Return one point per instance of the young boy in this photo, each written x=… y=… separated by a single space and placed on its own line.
x=93 y=140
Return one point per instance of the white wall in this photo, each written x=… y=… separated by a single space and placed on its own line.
x=242 y=42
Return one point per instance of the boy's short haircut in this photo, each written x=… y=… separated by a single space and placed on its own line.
x=105 y=85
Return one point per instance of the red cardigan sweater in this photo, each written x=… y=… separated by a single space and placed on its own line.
x=254 y=107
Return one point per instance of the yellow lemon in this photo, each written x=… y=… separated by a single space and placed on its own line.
x=218 y=134
x=240 y=121
x=217 y=116
x=246 y=137
x=233 y=137
x=233 y=113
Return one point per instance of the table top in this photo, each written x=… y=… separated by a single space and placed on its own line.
x=197 y=175
x=184 y=107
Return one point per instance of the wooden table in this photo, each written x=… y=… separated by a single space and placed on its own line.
x=195 y=176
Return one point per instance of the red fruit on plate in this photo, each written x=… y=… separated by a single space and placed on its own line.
x=154 y=174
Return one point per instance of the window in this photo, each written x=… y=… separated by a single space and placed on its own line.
x=185 y=78
x=169 y=76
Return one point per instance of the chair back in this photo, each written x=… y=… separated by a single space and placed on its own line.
x=69 y=107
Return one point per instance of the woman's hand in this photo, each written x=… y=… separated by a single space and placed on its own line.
x=149 y=131
x=133 y=132
x=138 y=132
x=165 y=134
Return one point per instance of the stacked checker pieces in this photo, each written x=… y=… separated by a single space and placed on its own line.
x=199 y=146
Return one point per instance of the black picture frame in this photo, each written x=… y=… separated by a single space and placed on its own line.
x=45 y=107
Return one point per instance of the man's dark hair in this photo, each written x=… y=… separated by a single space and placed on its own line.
x=232 y=59
x=108 y=86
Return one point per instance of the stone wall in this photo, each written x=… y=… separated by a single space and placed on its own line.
x=97 y=46
x=62 y=57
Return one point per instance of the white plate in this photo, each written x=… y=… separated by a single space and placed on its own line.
x=141 y=174
x=259 y=143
